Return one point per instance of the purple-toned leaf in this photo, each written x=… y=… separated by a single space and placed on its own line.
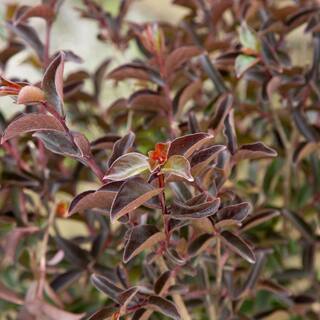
x=132 y=194
x=253 y=151
x=304 y=228
x=29 y=35
x=73 y=253
x=98 y=77
x=147 y=100
x=181 y=211
x=141 y=238
x=40 y=11
x=199 y=244
x=180 y=56
x=223 y=106
x=91 y=199
x=29 y=123
x=236 y=212
x=127 y=296
x=103 y=314
x=106 y=286
x=62 y=281
x=188 y=144
x=121 y=147
x=163 y=306
x=52 y=83
x=163 y=282
x=127 y=166
x=58 y=142
x=135 y=71
x=178 y=166
x=259 y=218
x=237 y=245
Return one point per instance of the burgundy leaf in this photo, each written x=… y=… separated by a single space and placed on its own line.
x=253 y=151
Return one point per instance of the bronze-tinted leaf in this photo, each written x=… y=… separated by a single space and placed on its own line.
x=73 y=253
x=127 y=166
x=237 y=245
x=132 y=194
x=163 y=282
x=58 y=142
x=135 y=71
x=41 y=11
x=199 y=244
x=236 y=212
x=222 y=108
x=141 y=237
x=188 y=144
x=300 y=224
x=106 y=286
x=29 y=35
x=253 y=151
x=179 y=56
x=163 y=306
x=121 y=147
x=92 y=199
x=259 y=218
x=181 y=211
x=52 y=83
x=29 y=123
x=104 y=314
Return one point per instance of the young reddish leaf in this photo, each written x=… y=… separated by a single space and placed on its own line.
x=244 y=63
x=254 y=151
x=237 y=245
x=159 y=155
x=29 y=35
x=91 y=199
x=249 y=38
x=121 y=147
x=52 y=83
x=257 y=219
x=106 y=286
x=132 y=194
x=141 y=238
x=29 y=95
x=181 y=211
x=180 y=56
x=126 y=166
x=200 y=244
x=29 y=123
x=223 y=106
x=58 y=142
x=163 y=306
x=188 y=144
x=178 y=166
x=163 y=282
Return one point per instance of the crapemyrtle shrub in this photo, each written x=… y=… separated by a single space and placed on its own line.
x=198 y=190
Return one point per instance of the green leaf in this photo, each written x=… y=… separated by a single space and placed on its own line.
x=248 y=37
x=243 y=63
x=179 y=166
x=126 y=166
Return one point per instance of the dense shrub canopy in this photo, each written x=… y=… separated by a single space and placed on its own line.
x=196 y=191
